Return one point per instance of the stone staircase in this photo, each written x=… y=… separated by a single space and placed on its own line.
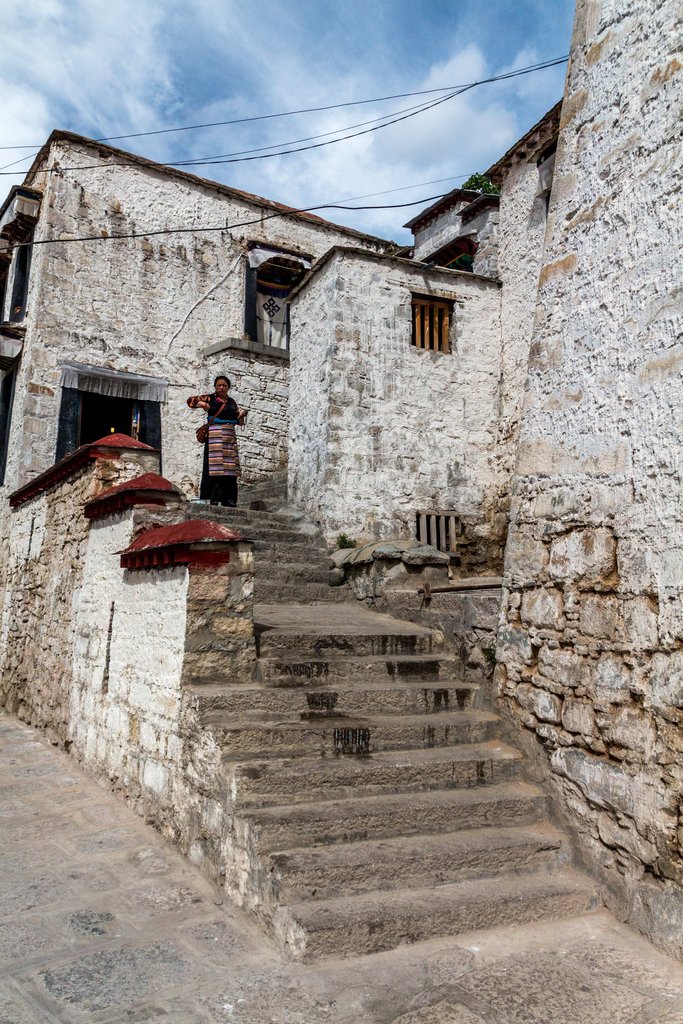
x=291 y=562
x=375 y=804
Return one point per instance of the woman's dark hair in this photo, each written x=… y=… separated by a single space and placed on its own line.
x=221 y=376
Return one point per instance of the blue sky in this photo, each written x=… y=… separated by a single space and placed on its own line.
x=107 y=67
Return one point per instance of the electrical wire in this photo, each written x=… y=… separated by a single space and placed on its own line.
x=286 y=113
x=239 y=158
x=194 y=229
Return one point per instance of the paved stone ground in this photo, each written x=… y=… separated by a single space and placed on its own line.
x=101 y=922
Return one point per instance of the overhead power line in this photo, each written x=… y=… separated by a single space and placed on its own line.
x=285 y=113
x=195 y=229
x=388 y=120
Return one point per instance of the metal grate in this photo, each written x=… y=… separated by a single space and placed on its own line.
x=439 y=529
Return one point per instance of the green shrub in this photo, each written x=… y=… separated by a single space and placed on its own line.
x=345 y=542
x=480 y=183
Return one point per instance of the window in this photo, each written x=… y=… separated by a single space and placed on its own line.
x=97 y=401
x=271 y=276
x=431 y=323
x=439 y=529
x=7 y=381
x=546 y=168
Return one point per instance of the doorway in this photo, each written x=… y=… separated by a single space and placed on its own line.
x=104 y=414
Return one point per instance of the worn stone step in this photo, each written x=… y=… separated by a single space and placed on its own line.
x=306 y=570
x=333 y=671
x=275 y=642
x=291 y=826
x=258 y=783
x=303 y=591
x=329 y=872
x=380 y=920
x=348 y=736
x=240 y=514
x=306 y=703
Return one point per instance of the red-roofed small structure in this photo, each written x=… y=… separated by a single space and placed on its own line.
x=192 y=542
x=105 y=448
x=147 y=489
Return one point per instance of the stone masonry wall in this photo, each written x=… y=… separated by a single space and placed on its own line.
x=46 y=542
x=396 y=429
x=148 y=305
x=591 y=647
x=103 y=660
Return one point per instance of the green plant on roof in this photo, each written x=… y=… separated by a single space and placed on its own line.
x=481 y=183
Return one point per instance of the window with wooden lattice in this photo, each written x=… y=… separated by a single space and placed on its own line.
x=431 y=323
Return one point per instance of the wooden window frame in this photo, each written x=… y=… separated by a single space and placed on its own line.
x=431 y=323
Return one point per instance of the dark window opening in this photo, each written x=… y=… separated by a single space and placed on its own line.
x=267 y=290
x=456 y=255
x=103 y=414
x=6 y=401
x=22 y=265
x=431 y=323
x=86 y=416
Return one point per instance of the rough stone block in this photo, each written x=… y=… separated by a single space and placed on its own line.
x=563 y=666
x=543 y=608
x=526 y=559
x=588 y=556
x=577 y=716
x=600 y=617
x=610 y=680
x=640 y=623
x=666 y=680
x=640 y=795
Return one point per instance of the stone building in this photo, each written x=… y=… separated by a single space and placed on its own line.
x=506 y=390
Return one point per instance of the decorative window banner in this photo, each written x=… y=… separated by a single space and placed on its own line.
x=271 y=314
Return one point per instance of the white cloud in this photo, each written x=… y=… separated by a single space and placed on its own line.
x=101 y=68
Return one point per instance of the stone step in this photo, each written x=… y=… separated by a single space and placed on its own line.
x=309 y=570
x=259 y=783
x=360 y=737
x=274 y=642
x=380 y=920
x=348 y=869
x=240 y=514
x=301 y=703
x=291 y=826
x=417 y=668
x=303 y=592
x=287 y=547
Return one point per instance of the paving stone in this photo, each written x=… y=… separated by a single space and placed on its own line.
x=116 y=977
x=22 y=939
x=20 y=894
x=145 y=903
x=441 y=1013
x=14 y=1010
x=541 y=988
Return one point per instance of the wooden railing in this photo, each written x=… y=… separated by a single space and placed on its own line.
x=439 y=529
x=431 y=324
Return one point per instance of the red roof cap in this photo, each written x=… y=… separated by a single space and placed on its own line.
x=191 y=531
x=119 y=441
x=192 y=542
x=149 y=488
x=72 y=463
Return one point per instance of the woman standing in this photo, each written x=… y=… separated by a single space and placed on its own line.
x=221 y=458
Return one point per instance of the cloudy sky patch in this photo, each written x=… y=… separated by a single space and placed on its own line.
x=101 y=68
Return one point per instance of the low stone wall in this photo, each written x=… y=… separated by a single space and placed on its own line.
x=107 y=660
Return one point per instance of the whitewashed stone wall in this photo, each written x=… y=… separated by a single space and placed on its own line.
x=45 y=547
x=100 y=658
x=440 y=229
x=149 y=306
x=379 y=428
x=522 y=228
x=591 y=647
